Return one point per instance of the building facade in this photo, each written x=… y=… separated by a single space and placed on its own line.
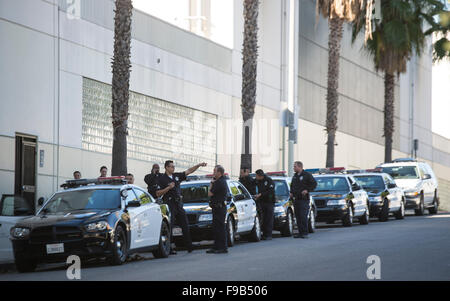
x=185 y=96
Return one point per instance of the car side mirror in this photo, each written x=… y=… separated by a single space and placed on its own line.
x=134 y=204
x=41 y=201
x=229 y=198
x=427 y=176
x=391 y=185
x=240 y=197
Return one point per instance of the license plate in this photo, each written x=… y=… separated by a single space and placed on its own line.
x=55 y=248
x=176 y=231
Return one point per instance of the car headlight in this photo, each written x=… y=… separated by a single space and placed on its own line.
x=412 y=193
x=97 y=226
x=337 y=202
x=278 y=209
x=375 y=199
x=205 y=217
x=20 y=232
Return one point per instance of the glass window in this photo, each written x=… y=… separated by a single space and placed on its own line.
x=12 y=205
x=281 y=188
x=195 y=193
x=331 y=184
x=234 y=190
x=372 y=182
x=243 y=191
x=402 y=172
x=143 y=197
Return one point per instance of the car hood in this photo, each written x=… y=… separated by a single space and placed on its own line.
x=329 y=194
x=197 y=207
x=407 y=183
x=74 y=218
x=373 y=192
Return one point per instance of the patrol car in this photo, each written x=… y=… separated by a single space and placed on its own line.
x=418 y=181
x=284 y=216
x=103 y=217
x=241 y=220
x=385 y=196
x=338 y=196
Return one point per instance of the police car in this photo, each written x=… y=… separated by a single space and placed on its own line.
x=338 y=196
x=385 y=196
x=284 y=216
x=102 y=217
x=241 y=220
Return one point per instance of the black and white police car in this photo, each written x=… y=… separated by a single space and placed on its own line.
x=338 y=196
x=102 y=217
x=242 y=220
x=385 y=197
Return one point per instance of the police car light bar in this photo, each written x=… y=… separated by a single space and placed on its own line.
x=330 y=170
x=276 y=173
x=210 y=176
x=85 y=182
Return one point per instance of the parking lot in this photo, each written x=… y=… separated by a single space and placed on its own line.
x=416 y=248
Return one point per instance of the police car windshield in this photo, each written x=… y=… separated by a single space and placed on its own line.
x=76 y=200
x=195 y=193
x=371 y=182
x=281 y=188
x=402 y=172
x=331 y=184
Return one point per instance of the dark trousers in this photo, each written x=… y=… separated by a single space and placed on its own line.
x=301 y=208
x=178 y=217
x=218 y=226
x=267 y=218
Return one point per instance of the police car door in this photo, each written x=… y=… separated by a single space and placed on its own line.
x=249 y=207
x=240 y=207
x=359 y=199
x=138 y=238
x=152 y=217
x=11 y=210
x=395 y=197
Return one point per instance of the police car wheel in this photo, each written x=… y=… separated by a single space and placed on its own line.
x=364 y=219
x=288 y=229
x=230 y=232
x=434 y=209
x=164 y=242
x=119 y=247
x=400 y=214
x=384 y=214
x=421 y=208
x=24 y=265
x=311 y=221
x=347 y=221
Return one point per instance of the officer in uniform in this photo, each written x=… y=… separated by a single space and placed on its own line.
x=151 y=180
x=218 y=192
x=169 y=189
x=266 y=200
x=302 y=184
x=247 y=181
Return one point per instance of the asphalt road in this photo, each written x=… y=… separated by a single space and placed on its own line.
x=416 y=248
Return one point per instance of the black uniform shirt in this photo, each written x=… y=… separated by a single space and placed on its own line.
x=220 y=191
x=300 y=182
x=267 y=189
x=152 y=183
x=249 y=183
x=164 y=181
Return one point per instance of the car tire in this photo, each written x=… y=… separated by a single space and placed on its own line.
x=230 y=232
x=435 y=208
x=384 y=214
x=400 y=214
x=119 y=247
x=364 y=219
x=25 y=265
x=288 y=229
x=163 y=250
x=347 y=221
x=255 y=235
x=312 y=221
x=420 y=211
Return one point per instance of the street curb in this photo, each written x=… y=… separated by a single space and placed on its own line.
x=7 y=267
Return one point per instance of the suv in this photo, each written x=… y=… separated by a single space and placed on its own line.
x=241 y=219
x=339 y=196
x=102 y=217
x=385 y=196
x=418 y=181
x=284 y=216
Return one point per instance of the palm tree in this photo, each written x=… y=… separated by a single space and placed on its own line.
x=249 y=64
x=396 y=37
x=120 y=84
x=338 y=12
x=441 y=48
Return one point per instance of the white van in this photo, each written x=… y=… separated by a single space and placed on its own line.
x=418 y=181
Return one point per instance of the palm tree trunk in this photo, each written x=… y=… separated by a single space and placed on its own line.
x=120 y=85
x=334 y=47
x=389 y=85
x=249 y=65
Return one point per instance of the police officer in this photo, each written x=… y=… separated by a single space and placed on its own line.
x=151 y=180
x=302 y=184
x=218 y=193
x=266 y=200
x=247 y=181
x=169 y=189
